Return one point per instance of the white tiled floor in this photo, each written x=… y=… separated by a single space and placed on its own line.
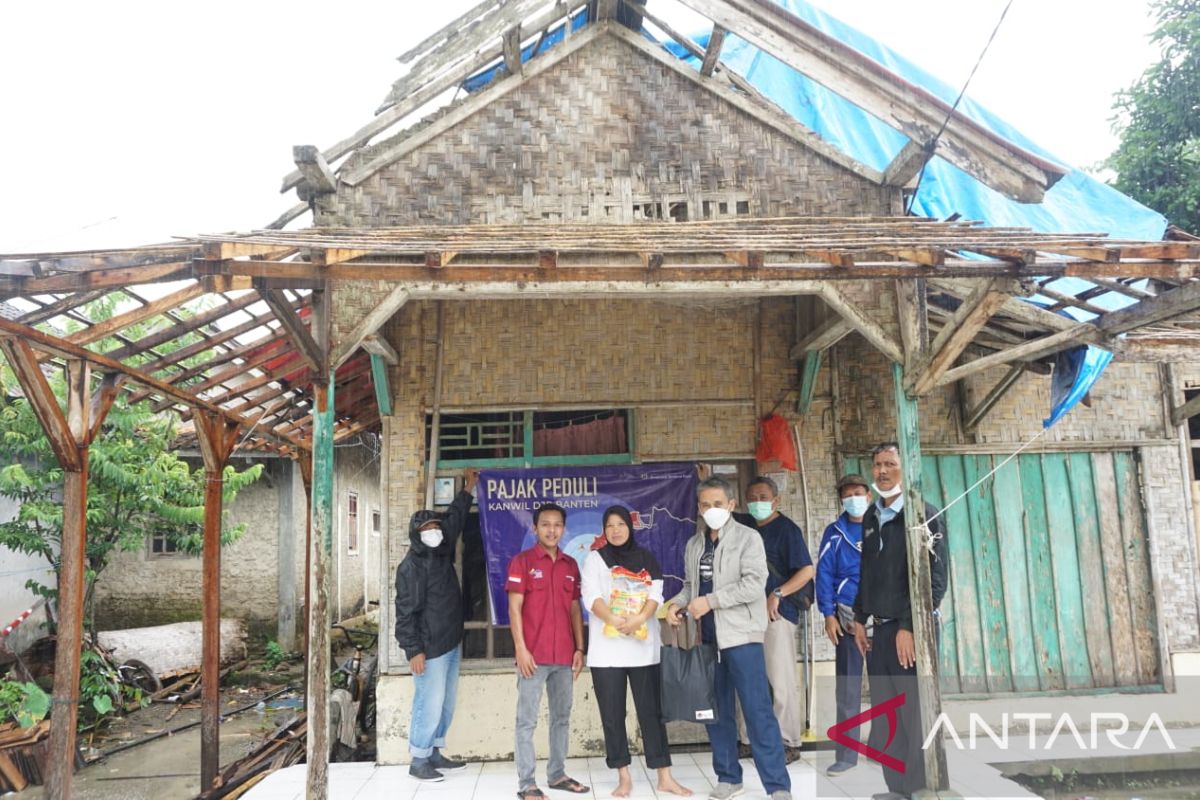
x=496 y=780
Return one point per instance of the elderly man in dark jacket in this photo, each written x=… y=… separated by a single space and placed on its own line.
x=429 y=628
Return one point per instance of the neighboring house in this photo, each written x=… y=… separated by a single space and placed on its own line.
x=262 y=574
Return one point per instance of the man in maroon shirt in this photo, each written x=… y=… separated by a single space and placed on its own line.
x=547 y=630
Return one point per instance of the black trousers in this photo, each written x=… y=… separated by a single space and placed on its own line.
x=645 y=682
x=887 y=680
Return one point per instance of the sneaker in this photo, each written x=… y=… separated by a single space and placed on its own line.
x=791 y=754
x=423 y=771
x=838 y=767
x=744 y=751
x=781 y=794
x=724 y=791
x=443 y=764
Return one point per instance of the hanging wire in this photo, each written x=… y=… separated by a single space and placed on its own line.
x=929 y=146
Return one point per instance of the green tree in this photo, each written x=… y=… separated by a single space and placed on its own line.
x=137 y=487
x=1158 y=119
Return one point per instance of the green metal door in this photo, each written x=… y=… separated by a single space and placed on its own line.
x=1050 y=585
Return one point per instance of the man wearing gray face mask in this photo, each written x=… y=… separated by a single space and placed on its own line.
x=429 y=628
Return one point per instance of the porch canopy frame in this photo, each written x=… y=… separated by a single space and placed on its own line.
x=179 y=339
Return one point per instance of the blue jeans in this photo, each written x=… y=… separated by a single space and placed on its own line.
x=849 y=689
x=433 y=704
x=743 y=670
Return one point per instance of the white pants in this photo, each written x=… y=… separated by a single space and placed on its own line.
x=779 y=649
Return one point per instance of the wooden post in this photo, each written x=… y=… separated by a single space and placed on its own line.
x=317 y=694
x=217 y=438
x=908 y=435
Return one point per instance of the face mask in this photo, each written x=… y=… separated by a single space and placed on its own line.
x=716 y=518
x=856 y=504
x=760 y=509
x=897 y=489
x=431 y=538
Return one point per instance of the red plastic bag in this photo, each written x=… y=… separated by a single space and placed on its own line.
x=775 y=442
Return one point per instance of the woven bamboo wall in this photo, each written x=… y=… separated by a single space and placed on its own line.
x=605 y=128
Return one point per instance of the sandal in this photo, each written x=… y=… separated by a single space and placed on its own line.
x=531 y=792
x=570 y=785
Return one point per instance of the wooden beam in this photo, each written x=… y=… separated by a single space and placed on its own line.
x=957 y=333
x=904 y=106
x=71 y=583
x=905 y=167
x=61 y=306
x=42 y=401
x=1181 y=414
x=370 y=323
x=606 y=10
x=1153 y=309
x=119 y=322
x=297 y=331
x=826 y=335
x=913 y=315
x=712 y=54
x=869 y=328
x=322 y=509
x=511 y=45
x=997 y=392
x=908 y=435
x=376 y=345
x=314 y=168
x=102 y=401
x=65 y=349
x=1081 y=333
x=183 y=327
x=216 y=437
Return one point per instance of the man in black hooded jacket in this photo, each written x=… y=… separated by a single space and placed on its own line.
x=429 y=628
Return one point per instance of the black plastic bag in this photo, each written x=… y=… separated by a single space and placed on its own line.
x=687 y=683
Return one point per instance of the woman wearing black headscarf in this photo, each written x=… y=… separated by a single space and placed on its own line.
x=622 y=589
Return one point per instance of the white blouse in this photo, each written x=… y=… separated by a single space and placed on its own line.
x=618 y=651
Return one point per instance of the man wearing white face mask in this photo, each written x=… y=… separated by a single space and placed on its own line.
x=885 y=598
x=429 y=628
x=725 y=569
x=838 y=562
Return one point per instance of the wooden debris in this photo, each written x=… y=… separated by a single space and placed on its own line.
x=284 y=747
x=23 y=753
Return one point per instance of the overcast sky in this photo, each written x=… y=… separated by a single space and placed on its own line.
x=126 y=123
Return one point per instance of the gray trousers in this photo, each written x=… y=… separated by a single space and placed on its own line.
x=557 y=679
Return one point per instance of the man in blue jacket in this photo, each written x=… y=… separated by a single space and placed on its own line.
x=838 y=561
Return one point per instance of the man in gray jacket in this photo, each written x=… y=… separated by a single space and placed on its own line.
x=725 y=569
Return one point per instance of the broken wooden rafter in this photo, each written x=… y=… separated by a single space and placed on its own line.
x=1080 y=333
x=1181 y=414
x=869 y=328
x=377 y=345
x=961 y=329
x=824 y=336
x=314 y=168
x=906 y=165
x=712 y=53
x=371 y=322
x=297 y=330
x=994 y=395
x=1152 y=309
